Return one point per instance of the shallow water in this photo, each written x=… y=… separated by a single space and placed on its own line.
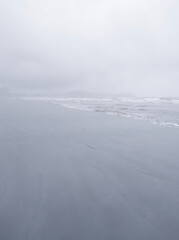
x=162 y=111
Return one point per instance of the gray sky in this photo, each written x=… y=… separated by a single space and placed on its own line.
x=99 y=45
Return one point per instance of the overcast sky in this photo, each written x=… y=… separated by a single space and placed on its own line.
x=98 y=45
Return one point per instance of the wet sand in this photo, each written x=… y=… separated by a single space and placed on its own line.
x=76 y=175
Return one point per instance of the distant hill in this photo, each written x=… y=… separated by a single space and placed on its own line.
x=75 y=94
x=87 y=94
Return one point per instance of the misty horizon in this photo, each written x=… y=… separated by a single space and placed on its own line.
x=77 y=93
x=98 y=46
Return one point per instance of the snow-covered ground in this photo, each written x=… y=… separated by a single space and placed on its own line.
x=80 y=175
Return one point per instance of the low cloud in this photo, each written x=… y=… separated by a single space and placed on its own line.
x=116 y=46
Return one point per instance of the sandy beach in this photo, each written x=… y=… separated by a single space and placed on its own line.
x=78 y=175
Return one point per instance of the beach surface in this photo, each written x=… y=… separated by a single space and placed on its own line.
x=77 y=175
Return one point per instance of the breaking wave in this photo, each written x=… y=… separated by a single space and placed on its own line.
x=161 y=111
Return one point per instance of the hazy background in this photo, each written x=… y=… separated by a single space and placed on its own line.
x=105 y=46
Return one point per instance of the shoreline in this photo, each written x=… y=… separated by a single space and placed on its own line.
x=137 y=116
x=68 y=174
